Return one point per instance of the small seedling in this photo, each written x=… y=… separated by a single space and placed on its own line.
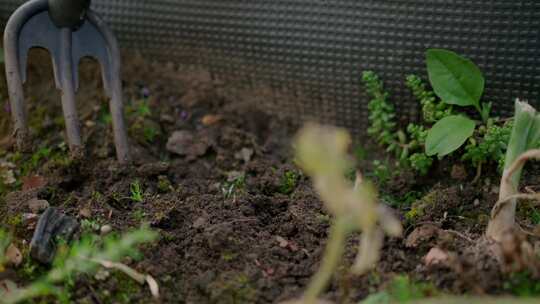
x=321 y=152
x=233 y=183
x=136 y=193
x=288 y=182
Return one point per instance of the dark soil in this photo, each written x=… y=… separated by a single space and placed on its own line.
x=224 y=238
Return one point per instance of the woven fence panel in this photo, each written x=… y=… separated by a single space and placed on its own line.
x=314 y=51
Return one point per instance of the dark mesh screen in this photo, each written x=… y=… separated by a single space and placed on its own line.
x=313 y=51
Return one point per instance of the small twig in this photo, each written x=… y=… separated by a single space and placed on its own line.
x=461 y=235
x=478 y=173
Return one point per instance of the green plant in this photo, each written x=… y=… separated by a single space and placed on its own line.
x=492 y=145
x=433 y=110
x=381 y=113
x=5 y=240
x=150 y=133
x=448 y=134
x=83 y=257
x=402 y=290
x=321 y=153
x=381 y=171
x=456 y=80
x=136 y=193
x=232 y=184
x=523 y=284
x=404 y=145
x=288 y=182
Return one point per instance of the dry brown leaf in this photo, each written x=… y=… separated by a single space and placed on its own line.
x=211 y=119
x=14 y=256
x=33 y=182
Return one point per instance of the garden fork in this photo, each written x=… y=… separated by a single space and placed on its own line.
x=69 y=30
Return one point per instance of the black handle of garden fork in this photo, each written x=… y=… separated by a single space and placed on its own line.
x=68 y=13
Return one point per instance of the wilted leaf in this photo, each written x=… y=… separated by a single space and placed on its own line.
x=455 y=79
x=448 y=134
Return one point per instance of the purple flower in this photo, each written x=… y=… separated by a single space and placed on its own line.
x=7 y=107
x=145 y=92
x=184 y=115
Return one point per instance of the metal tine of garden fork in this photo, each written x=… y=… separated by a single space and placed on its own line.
x=69 y=30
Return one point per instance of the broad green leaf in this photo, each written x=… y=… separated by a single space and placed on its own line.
x=448 y=134
x=455 y=79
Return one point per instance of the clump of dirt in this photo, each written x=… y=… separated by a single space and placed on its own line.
x=238 y=222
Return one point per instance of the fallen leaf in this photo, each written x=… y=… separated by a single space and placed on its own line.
x=33 y=182
x=14 y=256
x=436 y=256
x=210 y=119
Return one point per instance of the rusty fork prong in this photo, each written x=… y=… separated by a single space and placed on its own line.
x=69 y=30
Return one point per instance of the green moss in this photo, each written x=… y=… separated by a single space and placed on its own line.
x=15 y=221
x=126 y=287
x=164 y=185
x=418 y=207
x=228 y=256
x=232 y=288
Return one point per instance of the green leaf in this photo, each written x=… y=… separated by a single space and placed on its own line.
x=448 y=134
x=455 y=79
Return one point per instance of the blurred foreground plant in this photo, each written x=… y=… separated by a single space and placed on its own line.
x=84 y=257
x=525 y=136
x=322 y=154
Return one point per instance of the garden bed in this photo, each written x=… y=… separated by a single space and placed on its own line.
x=238 y=222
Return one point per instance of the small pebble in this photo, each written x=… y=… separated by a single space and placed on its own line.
x=105 y=229
x=476 y=202
x=37 y=206
x=85 y=212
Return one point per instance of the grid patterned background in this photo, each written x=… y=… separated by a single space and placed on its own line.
x=313 y=51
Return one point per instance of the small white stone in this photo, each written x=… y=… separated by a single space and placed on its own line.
x=105 y=229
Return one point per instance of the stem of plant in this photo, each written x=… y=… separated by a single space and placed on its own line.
x=525 y=135
x=333 y=252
